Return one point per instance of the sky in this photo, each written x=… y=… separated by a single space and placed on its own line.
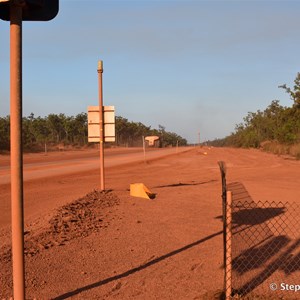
x=191 y=66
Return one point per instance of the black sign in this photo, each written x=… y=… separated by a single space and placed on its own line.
x=32 y=10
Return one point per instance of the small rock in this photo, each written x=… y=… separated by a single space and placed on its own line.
x=117 y=286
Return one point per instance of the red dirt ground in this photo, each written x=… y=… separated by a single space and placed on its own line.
x=84 y=244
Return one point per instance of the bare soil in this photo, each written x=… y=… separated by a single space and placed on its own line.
x=81 y=243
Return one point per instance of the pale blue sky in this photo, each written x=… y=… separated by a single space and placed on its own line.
x=188 y=65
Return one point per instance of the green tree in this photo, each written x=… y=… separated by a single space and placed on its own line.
x=73 y=130
x=4 y=133
x=80 y=128
x=295 y=93
x=56 y=127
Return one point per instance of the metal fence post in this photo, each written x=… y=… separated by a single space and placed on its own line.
x=228 y=264
x=222 y=167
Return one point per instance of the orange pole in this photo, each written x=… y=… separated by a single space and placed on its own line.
x=16 y=151
x=228 y=264
x=101 y=124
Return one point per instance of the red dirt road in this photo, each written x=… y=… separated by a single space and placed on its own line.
x=166 y=248
x=62 y=166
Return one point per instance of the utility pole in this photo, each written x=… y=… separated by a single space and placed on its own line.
x=101 y=124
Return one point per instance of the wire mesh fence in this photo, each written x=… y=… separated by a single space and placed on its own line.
x=262 y=247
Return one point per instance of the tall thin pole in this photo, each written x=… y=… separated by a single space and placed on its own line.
x=101 y=124
x=228 y=263
x=144 y=148
x=16 y=151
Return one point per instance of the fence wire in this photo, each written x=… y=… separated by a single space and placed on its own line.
x=264 y=248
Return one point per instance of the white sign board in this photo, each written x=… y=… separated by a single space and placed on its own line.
x=151 y=139
x=108 y=120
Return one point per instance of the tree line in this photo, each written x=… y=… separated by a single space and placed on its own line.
x=56 y=129
x=277 y=123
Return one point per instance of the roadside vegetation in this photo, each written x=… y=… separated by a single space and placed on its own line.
x=58 y=131
x=276 y=129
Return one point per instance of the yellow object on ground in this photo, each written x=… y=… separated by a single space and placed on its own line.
x=140 y=190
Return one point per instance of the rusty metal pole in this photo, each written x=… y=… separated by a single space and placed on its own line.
x=101 y=124
x=16 y=157
x=228 y=264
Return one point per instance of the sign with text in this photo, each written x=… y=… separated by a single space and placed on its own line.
x=108 y=124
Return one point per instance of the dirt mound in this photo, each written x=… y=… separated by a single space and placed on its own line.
x=74 y=220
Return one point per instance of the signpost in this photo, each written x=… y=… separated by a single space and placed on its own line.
x=101 y=124
x=101 y=148
x=16 y=11
x=151 y=139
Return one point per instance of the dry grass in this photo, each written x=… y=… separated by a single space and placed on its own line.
x=280 y=149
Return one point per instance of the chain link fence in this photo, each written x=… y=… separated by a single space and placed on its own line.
x=262 y=247
x=265 y=247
